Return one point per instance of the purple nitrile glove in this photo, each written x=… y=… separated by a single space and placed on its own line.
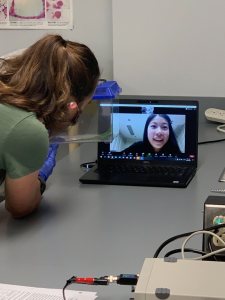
x=49 y=164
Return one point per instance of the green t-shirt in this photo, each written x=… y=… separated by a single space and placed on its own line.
x=23 y=141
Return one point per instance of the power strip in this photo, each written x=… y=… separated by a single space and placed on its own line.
x=215 y=115
x=181 y=279
x=214 y=214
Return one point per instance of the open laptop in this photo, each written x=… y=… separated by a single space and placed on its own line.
x=120 y=163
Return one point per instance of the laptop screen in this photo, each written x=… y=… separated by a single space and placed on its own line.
x=152 y=130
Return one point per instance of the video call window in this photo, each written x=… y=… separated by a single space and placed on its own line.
x=134 y=127
x=129 y=129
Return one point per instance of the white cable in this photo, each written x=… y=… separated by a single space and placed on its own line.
x=220 y=128
x=203 y=232
x=210 y=254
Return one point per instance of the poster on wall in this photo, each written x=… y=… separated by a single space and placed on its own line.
x=36 y=14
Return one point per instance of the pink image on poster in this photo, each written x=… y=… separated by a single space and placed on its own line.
x=36 y=14
x=27 y=9
x=3 y=10
x=55 y=9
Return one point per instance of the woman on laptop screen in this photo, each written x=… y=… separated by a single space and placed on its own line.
x=158 y=137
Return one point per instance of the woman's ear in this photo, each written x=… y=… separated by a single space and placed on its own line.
x=73 y=105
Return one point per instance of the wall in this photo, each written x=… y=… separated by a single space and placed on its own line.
x=174 y=47
x=92 y=26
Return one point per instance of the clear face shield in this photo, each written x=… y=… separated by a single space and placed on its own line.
x=95 y=121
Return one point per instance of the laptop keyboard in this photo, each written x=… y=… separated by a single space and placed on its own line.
x=155 y=171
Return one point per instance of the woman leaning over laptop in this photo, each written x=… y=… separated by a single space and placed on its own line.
x=42 y=90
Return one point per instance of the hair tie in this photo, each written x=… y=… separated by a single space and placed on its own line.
x=72 y=105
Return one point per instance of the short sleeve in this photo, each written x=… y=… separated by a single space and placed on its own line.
x=26 y=148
